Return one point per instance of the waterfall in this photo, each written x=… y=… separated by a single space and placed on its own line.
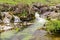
x=39 y=19
x=16 y=19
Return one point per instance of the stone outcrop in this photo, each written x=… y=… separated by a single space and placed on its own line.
x=26 y=12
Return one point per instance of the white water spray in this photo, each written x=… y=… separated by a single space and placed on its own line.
x=16 y=19
x=39 y=19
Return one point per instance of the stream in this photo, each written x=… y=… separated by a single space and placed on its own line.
x=26 y=34
x=29 y=33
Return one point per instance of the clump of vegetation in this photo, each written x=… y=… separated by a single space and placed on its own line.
x=53 y=26
x=17 y=29
x=30 y=1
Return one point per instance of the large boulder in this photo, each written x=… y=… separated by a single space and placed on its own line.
x=58 y=6
x=41 y=8
x=52 y=15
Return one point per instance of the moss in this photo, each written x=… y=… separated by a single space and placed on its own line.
x=17 y=29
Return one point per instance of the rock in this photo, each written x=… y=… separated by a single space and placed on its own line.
x=6 y=17
x=44 y=15
x=6 y=14
x=1 y=21
x=27 y=24
x=44 y=9
x=38 y=5
x=17 y=10
x=5 y=28
x=6 y=20
x=52 y=15
x=58 y=6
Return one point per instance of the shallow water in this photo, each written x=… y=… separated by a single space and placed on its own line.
x=30 y=33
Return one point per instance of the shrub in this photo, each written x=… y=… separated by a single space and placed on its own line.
x=53 y=26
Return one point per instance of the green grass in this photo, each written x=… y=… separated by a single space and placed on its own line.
x=30 y=1
x=53 y=25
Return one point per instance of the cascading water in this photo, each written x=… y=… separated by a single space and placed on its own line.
x=16 y=19
x=28 y=32
x=39 y=19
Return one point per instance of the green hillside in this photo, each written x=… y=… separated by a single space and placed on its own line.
x=30 y=1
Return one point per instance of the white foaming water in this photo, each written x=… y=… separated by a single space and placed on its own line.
x=39 y=19
x=17 y=19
